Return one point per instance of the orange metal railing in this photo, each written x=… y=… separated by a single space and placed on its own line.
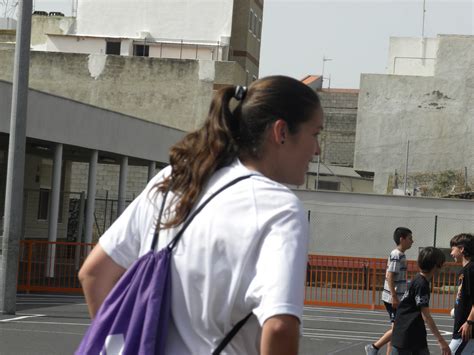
x=358 y=282
x=50 y=266
x=330 y=280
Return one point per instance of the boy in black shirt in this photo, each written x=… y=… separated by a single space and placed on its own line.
x=462 y=250
x=409 y=332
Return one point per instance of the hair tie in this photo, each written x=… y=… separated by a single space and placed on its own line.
x=240 y=92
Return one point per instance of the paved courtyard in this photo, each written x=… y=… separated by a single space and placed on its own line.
x=50 y=325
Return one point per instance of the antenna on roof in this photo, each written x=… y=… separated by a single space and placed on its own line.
x=322 y=74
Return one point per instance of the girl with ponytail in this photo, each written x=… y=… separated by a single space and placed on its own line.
x=246 y=251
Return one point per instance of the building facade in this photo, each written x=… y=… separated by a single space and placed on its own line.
x=419 y=118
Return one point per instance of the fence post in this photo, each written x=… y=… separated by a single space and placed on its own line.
x=435 y=230
x=374 y=282
x=29 y=244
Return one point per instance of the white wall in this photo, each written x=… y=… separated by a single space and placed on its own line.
x=412 y=56
x=173 y=19
x=70 y=44
x=362 y=225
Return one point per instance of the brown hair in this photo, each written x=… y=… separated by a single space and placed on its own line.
x=228 y=134
x=430 y=257
x=465 y=240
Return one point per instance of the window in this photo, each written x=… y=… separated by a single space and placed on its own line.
x=259 y=32
x=141 y=50
x=250 y=20
x=112 y=47
x=43 y=204
x=328 y=185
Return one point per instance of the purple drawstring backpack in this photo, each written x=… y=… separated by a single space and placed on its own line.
x=134 y=317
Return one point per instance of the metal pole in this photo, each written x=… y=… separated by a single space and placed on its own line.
x=423 y=22
x=406 y=170
x=13 y=219
x=91 y=189
x=435 y=230
x=151 y=170
x=317 y=175
x=80 y=224
x=54 y=209
x=122 y=185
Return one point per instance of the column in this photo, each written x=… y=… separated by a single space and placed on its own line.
x=122 y=192
x=54 y=208
x=91 y=189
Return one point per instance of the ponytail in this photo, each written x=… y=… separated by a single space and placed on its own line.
x=200 y=153
x=226 y=135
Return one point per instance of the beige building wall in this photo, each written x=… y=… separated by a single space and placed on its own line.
x=172 y=92
x=246 y=36
x=38 y=173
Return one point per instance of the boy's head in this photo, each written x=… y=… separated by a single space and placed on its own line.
x=429 y=258
x=462 y=246
x=403 y=237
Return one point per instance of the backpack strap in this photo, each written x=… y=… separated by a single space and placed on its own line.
x=230 y=335
x=176 y=239
x=157 y=229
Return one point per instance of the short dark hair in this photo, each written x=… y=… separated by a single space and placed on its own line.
x=400 y=232
x=430 y=257
x=465 y=240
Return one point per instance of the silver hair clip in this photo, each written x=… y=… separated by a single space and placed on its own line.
x=240 y=92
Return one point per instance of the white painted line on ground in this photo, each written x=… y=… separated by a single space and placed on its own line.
x=39 y=331
x=345 y=348
x=54 y=323
x=22 y=317
x=358 y=311
x=49 y=303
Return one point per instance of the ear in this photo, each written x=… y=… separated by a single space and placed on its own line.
x=279 y=131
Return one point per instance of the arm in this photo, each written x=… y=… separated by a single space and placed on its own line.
x=466 y=329
x=280 y=335
x=98 y=275
x=391 y=285
x=425 y=312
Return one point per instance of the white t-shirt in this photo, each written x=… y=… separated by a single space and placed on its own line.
x=246 y=251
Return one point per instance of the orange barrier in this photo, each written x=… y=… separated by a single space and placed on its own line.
x=50 y=266
x=358 y=282
x=330 y=280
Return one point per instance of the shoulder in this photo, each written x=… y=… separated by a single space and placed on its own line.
x=396 y=255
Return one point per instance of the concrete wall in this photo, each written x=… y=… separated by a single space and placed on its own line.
x=182 y=19
x=412 y=56
x=176 y=93
x=340 y=117
x=362 y=225
x=436 y=114
x=41 y=26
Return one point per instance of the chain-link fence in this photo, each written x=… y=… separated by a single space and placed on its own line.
x=364 y=226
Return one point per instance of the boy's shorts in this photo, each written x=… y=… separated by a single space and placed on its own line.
x=397 y=351
x=392 y=312
x=458 y=346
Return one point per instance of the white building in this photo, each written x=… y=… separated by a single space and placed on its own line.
x=419 y=117
x=223 y=30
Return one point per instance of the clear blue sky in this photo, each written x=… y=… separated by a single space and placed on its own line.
x=353 y=33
